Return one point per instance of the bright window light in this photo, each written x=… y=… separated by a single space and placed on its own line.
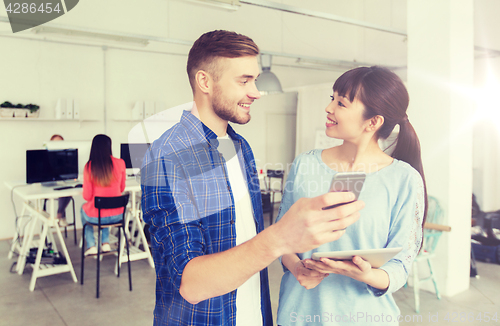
x=488 y=105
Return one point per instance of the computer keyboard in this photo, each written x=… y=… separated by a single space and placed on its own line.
x=79 y=185
x=62 y=188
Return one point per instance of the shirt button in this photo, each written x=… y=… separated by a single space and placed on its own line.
x=232 y=222
x=228 y=188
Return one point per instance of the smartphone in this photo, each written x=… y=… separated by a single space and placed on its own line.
x=347 y=181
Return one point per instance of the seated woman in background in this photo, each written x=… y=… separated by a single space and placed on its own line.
x=103 y=176
x=367 y=103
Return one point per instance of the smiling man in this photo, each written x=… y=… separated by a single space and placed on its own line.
x=201 y=198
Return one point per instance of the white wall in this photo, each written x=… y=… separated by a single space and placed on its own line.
x=311 y=115
x=47 y=71
x=272 y=114
x=40 y=72
x=41 y=69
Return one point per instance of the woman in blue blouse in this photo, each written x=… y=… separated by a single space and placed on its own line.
x=367 y=103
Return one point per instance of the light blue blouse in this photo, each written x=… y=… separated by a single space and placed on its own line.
x=392 y=217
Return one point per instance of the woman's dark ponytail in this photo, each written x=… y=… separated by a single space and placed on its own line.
x=408 y=146
x=408 y=150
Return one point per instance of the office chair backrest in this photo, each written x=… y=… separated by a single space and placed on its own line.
x=434 y=215
x=276 y=174
x=111 y=202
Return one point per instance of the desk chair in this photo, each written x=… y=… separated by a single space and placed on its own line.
x=107 y=203
x=271 y=189
x=432 y=233
x=487 y=221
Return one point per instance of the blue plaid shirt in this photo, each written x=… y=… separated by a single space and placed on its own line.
x=188 y=203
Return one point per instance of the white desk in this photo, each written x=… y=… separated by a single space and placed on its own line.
x=33 y=197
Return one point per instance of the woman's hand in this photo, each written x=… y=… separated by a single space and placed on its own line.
x=307 y=277
x=358 y=269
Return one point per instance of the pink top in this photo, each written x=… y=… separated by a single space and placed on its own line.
x=91 y=190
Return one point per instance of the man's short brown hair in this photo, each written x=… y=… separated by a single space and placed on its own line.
x=217 y=44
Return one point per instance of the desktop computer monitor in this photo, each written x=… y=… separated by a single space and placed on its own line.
x=83 y=147
x=51 y=165
x=133 y=154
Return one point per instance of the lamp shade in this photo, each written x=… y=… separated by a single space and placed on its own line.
x=267 y=83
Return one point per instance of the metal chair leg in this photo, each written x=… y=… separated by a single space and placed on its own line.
x=83 y=253
x=473 y=267
x=416 y=287
x=98 y=260
x=433 y=277
x=118 y=261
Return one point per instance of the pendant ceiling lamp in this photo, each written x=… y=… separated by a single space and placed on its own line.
x=267 y=82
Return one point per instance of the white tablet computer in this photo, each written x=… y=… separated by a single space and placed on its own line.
x=376 y=257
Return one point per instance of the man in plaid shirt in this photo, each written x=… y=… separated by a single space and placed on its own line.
x=201 y=198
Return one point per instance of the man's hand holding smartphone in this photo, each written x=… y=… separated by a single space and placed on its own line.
x=308 y=224
x=347 y=182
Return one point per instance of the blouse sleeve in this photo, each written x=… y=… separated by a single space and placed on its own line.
x=123 y=175
x=406 y=232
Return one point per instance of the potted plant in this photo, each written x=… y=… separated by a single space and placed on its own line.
x=6 y=110
x=32 y=110
x=9 y=110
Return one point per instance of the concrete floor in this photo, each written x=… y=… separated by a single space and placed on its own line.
x=58 y=301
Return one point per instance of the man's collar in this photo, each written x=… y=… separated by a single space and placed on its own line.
x=197 y=127
x=232 y=133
